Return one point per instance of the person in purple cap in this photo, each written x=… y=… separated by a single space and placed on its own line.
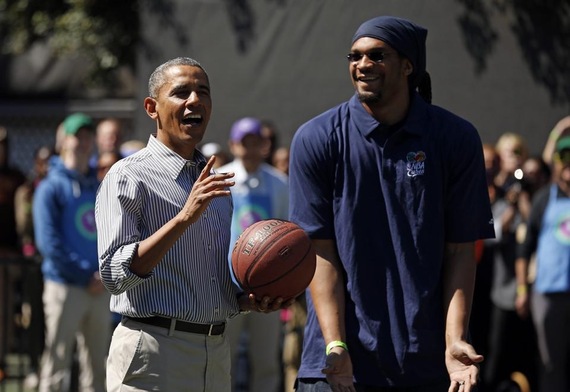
x=392 y=191
x=260 y=192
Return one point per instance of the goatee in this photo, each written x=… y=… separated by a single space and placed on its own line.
x=369 y=98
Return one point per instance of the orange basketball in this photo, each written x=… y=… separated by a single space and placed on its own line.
x=274 y=258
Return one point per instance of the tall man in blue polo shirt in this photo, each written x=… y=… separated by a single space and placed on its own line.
x=392 y=191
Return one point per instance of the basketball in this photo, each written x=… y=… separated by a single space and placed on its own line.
x=274 y=258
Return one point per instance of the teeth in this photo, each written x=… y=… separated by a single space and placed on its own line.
x=198 y=116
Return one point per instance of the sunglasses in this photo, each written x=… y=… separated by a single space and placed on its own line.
x=374 y=56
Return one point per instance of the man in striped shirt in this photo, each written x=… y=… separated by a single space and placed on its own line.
x=163 y=221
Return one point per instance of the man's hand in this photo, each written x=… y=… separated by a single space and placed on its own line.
x=338 y=369
x=263 y=305
x=461 y=361
x=206 y=187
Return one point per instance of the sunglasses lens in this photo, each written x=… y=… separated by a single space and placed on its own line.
x=352 y=57
x=376 y=56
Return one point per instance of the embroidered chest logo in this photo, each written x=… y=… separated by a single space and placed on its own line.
x=415 y=163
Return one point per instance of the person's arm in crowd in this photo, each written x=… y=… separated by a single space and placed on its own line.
x=525 y=251
x=561 y=128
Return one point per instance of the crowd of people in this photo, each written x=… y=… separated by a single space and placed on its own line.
x=443 y=261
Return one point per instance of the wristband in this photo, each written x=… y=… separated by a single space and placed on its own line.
x=521 y=289
x=336 y=343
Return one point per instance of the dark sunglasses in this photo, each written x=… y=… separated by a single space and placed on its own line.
x=375 y=56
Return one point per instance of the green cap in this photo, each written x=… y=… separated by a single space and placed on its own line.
x=74 y=122
x=563 y=144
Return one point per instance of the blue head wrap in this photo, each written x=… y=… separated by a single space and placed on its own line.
x=408 y=38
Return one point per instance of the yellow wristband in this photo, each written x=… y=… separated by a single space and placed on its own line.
x=521 y=289
x=336 y=343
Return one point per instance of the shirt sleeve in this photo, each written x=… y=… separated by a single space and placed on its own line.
x=468 y=215
x=310 y=187
x=118 y=217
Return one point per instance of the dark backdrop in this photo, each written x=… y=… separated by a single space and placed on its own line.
x=503 y=64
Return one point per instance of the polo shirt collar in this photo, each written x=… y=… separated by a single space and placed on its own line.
x=171 y=162
x=366 y=124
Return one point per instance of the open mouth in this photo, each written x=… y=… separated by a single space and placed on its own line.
x=192 y=119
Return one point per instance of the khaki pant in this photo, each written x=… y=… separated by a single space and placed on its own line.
x=72 y=314
x=144 y=357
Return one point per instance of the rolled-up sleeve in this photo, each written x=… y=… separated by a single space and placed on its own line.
x=118 y=218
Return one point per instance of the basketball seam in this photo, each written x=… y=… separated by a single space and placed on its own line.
x=288 y=271
x=261 y=252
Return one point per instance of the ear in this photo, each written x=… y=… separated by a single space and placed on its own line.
x=408 y=67
x=150 y=107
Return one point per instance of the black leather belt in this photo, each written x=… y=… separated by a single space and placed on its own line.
x=183 y=326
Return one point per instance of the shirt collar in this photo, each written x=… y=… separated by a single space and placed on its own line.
x=414 y=122
x=171 y=162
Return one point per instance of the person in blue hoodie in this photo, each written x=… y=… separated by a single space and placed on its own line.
x=76 y=305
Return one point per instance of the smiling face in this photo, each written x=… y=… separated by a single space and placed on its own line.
x=182 y=108
x=379 y=74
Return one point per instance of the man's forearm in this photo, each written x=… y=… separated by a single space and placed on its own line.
x=458 y=282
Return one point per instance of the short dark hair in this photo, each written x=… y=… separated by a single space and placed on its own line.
x=157 y=79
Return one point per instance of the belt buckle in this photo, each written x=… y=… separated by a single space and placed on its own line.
x=210 y=329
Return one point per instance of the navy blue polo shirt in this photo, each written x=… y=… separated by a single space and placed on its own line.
x=390 y=198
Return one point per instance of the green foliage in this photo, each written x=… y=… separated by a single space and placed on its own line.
x=104 y=31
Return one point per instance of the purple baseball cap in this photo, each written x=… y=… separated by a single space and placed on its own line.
x=245 y=126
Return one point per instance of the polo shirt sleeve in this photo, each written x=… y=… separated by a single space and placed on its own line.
x=311 y=174
x=468 y=215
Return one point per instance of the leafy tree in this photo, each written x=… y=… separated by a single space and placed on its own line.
x=104 y=31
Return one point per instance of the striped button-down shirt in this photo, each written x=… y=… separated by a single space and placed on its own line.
x=137 y=197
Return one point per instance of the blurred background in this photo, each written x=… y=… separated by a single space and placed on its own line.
x=501 y=64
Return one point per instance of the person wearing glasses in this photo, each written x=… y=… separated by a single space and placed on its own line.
x=164 y=221
x=392 y=190
x=548 y=235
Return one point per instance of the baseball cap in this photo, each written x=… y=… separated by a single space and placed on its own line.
x=563 y=144
x=74 y=122
x=245 y=126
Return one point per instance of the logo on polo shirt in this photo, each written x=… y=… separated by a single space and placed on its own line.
x=415 y=163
